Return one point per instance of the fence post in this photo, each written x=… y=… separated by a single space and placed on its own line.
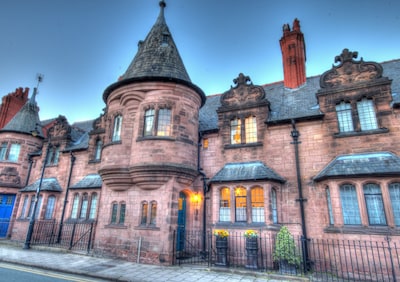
x=90 y=237
x=72 y=236
x=388 y=239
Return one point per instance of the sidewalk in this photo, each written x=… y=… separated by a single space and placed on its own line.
x=119 y=270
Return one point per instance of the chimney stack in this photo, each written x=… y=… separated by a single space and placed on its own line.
x=293 y=56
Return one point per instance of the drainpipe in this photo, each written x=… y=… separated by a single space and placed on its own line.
x=204 y=178
x=295 y=135
x=65 y=198
x=29 y=170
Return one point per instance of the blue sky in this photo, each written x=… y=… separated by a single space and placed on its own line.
x=82 y=46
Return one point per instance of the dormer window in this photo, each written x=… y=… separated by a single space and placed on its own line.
x=366 y=116
x=53 y=155
x=246 y=134
x=165 y=39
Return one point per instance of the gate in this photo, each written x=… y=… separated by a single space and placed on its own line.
x=6 y=207
x=71 y=235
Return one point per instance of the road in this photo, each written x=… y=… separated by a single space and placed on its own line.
x=18 y=273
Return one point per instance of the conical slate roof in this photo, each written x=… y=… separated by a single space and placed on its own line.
x=157 y=55
x=27 y=119
x=157 y=59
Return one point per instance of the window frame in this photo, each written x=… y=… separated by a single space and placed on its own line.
x=117 y=128
x=243 y=130
x=50 y=207
x=157 y=122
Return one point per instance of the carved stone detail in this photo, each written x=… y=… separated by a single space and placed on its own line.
x=243 y=93
x=10 y=175
x=61 y=129
x=349 y=71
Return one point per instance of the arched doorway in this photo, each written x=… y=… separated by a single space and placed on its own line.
x=180 y=238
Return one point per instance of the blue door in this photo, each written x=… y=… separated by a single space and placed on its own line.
x=180 y=238
x=6 y=207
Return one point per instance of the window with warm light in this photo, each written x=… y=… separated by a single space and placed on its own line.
x=224 y=205
x=257 y=205
x=243 y=132
x=240 y=205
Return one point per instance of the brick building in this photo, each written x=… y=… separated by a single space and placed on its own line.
x=318 y=154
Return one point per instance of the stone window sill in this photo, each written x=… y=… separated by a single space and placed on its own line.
x=360 y=133
x=367 y=230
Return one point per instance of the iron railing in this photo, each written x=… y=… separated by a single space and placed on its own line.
x=328 y=260
x=69 y=235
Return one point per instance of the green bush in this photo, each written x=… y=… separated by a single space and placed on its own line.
x=285 y=248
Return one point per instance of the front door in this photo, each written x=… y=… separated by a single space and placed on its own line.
x=180 y=238
x=6 y=207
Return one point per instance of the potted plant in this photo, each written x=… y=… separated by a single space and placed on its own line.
x=285 y=252
x=251 y=248
x=221 y=244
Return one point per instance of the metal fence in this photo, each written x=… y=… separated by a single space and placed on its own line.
x=69 y=235
x=328 y=260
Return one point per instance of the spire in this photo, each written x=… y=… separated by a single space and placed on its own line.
x=26 y=120
x=157 y=55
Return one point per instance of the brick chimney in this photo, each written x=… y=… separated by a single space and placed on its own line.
x=293 y=55
x=11 y=104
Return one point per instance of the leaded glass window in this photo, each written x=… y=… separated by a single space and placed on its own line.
x=345 y=120
x=366 y=113
x=224 y=205
x=257 y=205
x=394 y=192
x=240 y=205
x=374 y=204
x=350 y=209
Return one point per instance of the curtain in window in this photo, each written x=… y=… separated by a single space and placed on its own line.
x=14 y=152
x=236 y=131
x=394 y=192
x=51 y=200
x=250 y=125
x=224 y=205
x=240 y=204
x=374 y=203
x=164 y=122
x=366 y=113
x=343 y=111
x=350 y=209
x=257 y=205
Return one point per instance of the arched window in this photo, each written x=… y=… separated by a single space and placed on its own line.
x=84 y=206
x=93 y=206
x=117 y=128
x=257 y=205
x=75 y=206
x=153 y=213
x=144 y=212
x=51 y=200
x=224 y=205
x=240 y=205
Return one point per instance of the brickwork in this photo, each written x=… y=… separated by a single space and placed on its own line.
x=11 y=104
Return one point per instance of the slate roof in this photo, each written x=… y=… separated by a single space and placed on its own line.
x=79 y=136
x=358 y=165
x=27 y=119
x=89 y=181
x=287 y=104
x=246 y=171
x=48 y=184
